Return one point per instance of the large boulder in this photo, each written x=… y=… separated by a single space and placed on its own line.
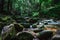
x=10 y=31
x=56 y=37
x=45 y=35
x=25 y=36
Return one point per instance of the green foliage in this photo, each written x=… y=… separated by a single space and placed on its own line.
x=46 y=6
x=6 y=20
x=35 y=14
x=32 y=8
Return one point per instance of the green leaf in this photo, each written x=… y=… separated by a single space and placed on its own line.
x=35 y=14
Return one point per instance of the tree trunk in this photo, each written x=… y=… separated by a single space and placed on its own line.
x=1 y=5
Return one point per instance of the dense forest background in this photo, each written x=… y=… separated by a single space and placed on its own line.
x=16 y=10
x=31 y=8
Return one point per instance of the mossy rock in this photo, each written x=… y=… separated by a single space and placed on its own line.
x=34 y=26
x=25 y=36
